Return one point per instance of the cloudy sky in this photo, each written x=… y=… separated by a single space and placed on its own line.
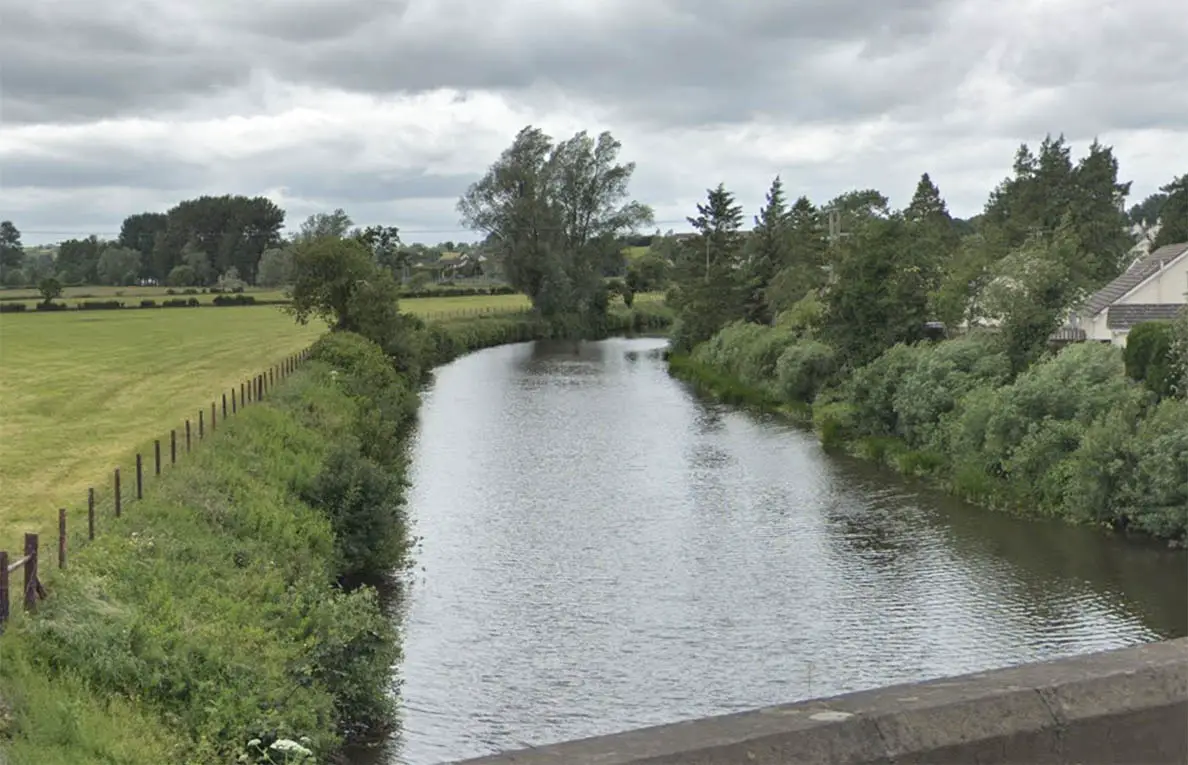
x=390 y=108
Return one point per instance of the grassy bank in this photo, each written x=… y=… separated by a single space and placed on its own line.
x=1071 y=437
x=215 y=618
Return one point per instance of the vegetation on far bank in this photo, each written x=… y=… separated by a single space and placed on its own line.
x=851 y=328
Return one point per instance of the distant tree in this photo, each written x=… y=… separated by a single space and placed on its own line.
x=552 y=212
x=880 y=291
x=768 y=251
x=195 y=257
x=1146 y=213
x=182 y=276
x=140 y=232
x=804 y=269
x=118 y=265
x=229 y=280
x=648 y=273
x=709 y=272
x=335 y=225
x=230 y=230
x=327 y=274
x=50 y=290
x=1173 y=213
x=275 y=268
x=78 y=260
x=385 y=247
x=12 y=254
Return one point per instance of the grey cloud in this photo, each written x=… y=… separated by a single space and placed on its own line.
x=109 y=167
x=365 y=187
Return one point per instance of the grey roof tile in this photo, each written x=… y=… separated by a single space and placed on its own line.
x=1142 y=269
x=1126 y=316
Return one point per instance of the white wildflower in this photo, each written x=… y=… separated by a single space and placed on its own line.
x=289 y=746
x=254 y=742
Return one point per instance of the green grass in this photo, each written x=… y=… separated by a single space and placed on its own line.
x=81 y=392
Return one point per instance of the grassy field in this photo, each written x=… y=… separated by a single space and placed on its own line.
x=81 y=392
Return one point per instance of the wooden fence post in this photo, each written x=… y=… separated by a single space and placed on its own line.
x=139 y=477
x=3 y=589
x=172 y=447
x=234 y=404
x=117 y=492
x=213 y=417
x=91 y=513
x=61 y=537
x=225 y=401
x=201 y=424
x=242 y=390
x=157 y=456
x=188 y=447
x=31 y=571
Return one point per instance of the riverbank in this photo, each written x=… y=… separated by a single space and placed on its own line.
x=1072 y=437
x=223 y=613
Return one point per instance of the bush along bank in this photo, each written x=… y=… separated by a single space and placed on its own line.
x=1072 y=436
x=226 y=616
x=210 y=622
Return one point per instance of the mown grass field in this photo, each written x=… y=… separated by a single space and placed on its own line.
x=80 y=392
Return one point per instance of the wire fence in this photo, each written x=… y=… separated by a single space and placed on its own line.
x=125 y=489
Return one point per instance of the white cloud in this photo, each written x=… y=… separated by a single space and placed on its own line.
x=315 y=118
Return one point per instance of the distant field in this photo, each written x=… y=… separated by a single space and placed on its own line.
x=80 y=392
x=634 y=253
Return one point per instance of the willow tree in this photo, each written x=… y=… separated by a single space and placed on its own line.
x=554 y=212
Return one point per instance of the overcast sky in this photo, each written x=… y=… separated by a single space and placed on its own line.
x=390 y=109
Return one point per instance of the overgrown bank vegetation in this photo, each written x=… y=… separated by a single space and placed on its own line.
x=924 y=342
x=227 y=617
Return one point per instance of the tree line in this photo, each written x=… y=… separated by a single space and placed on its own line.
x=226 y=241
x=927 y=343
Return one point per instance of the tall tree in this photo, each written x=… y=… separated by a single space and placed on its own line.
x=879 y=293
x=551 y=212
x=118 y=265
x=384 y=244
x=140 y=232
x=805 y=267
x=231 y=230
x=767 y=252
x=709 y=271
x=1173 y=214
x=335 y=225
x=12 y=254
x=78 y=260
x=1096 y=205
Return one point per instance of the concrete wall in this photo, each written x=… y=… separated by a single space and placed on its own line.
x=1123 y=706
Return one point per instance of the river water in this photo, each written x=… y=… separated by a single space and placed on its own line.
x=604 y=550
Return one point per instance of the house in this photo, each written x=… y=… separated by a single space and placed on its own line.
x=1154 y=288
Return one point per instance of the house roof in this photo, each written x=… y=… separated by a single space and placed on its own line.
x=1126 y=316
x=1143 y=268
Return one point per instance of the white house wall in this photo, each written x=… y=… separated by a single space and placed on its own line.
x=1168 y=286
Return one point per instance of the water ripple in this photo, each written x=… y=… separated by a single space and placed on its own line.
x=603 y=551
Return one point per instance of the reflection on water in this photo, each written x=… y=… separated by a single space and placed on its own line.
x=602 y=551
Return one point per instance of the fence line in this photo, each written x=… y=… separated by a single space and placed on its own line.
x=252 y=390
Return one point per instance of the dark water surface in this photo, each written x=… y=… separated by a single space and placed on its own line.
x=603 y=550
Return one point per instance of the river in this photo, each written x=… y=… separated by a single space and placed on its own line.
x=603 y=550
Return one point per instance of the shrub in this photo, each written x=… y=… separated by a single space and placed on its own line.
x=803 y=369
x=1148 y=356
x=12 y=307
x=100 y=305
x=834 y=423
x=148 y=303
x=365 y=504
x=233 y=299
